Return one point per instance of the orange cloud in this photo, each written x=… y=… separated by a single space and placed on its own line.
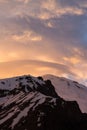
x=54 y=9
x=49 y=34
x=73 y=60
x=27 y=36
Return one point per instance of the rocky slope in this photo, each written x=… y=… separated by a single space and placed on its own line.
x=70 y=90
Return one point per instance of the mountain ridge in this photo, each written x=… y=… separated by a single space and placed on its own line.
x=69 y=90
x=32 y=103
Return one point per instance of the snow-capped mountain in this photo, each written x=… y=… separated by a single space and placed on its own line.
x=70 y=90
x=30 y=103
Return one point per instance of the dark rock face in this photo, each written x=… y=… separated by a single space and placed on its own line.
x=39 y=108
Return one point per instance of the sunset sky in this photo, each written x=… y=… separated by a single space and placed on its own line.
x=40 y=37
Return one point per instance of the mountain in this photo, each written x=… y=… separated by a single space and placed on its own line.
x=70 y=90
x=32 y=103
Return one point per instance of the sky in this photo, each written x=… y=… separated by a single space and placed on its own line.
x=40 y=37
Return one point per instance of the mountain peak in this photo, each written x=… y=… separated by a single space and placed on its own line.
x=34 y=103
x=69 y=90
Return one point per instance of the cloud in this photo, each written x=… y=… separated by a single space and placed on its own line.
x=27 y=36
x=38 y=67
x=57 y=8
x=50 y=34
x=26 y=66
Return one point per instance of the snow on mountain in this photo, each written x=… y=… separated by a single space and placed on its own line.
x=31 y=103
x=11 y=83
x=21 y=99
x=69 y=90
x=10 y=86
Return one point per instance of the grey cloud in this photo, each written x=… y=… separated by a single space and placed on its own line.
x=67 y=31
